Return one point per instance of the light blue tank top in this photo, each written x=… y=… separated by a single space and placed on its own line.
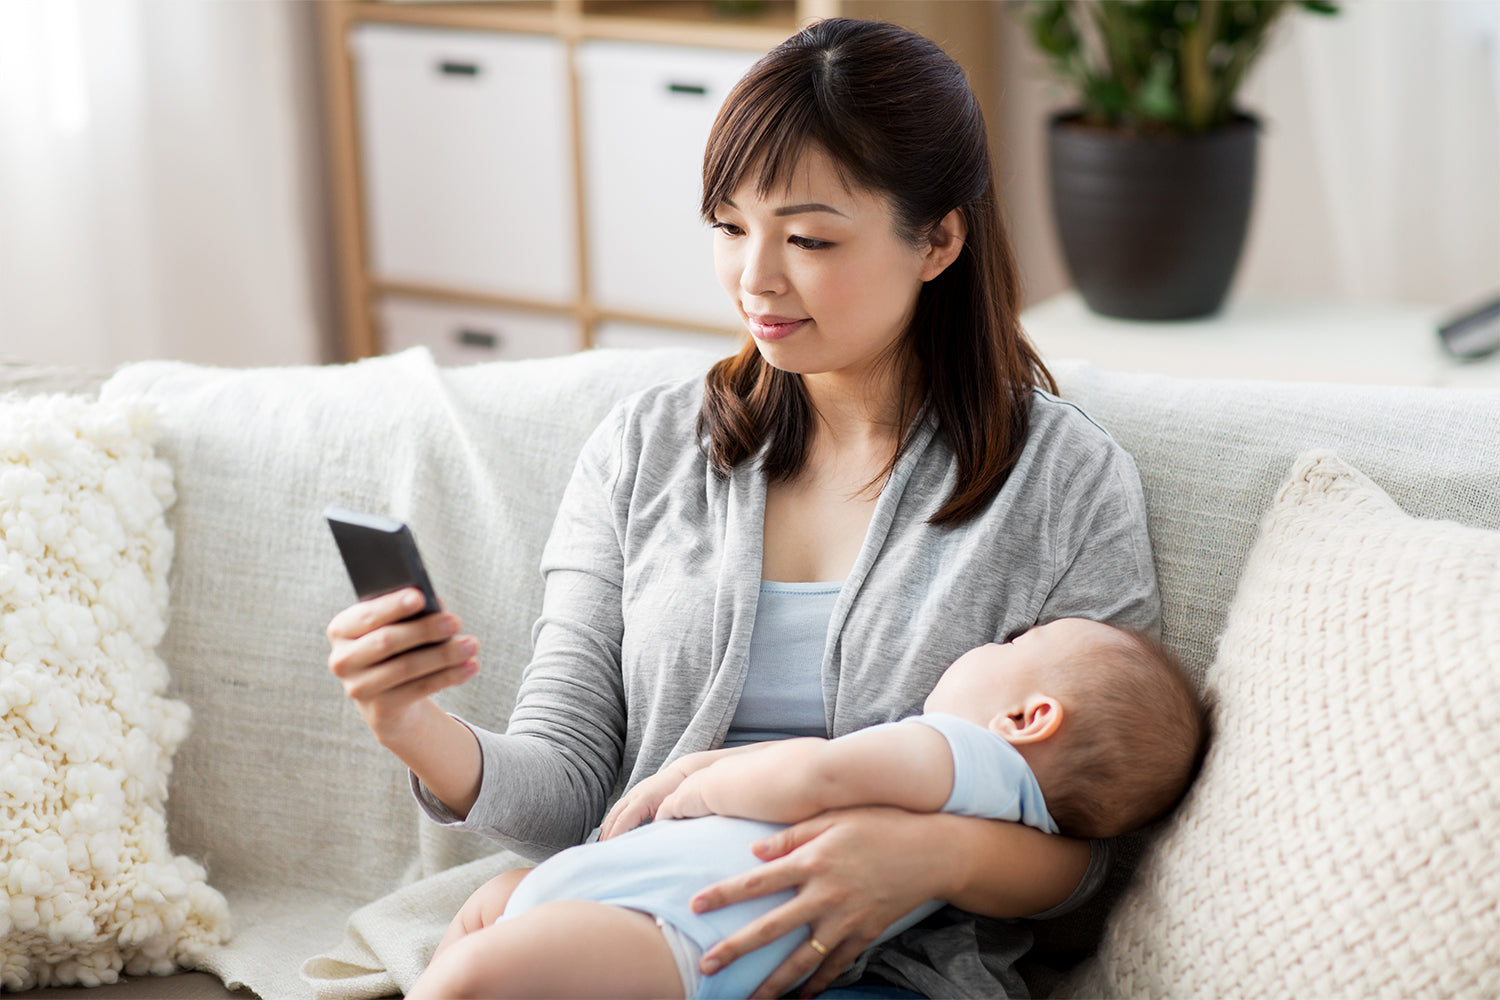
x=783 y=693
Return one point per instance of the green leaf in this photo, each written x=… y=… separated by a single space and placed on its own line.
x=1107 y=98
x=1157 y=100
x=1053 y=31
x=1174 y=63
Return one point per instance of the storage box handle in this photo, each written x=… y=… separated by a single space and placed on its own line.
x=471 y=337
x=693 y=89
x=452 y=67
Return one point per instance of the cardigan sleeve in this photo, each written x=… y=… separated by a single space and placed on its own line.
x=546 y=780
x=1103 y=568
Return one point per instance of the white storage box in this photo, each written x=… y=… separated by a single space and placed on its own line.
x=647 y=111
x=463 y=335
x=637 y=335
x=468 y=160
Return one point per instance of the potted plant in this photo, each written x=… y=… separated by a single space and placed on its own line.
x=1152 y=175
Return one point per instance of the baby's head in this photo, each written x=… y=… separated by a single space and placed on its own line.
x=1106 y=718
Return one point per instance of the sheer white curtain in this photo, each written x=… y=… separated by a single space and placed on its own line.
x=157 y=196
x=1380 y=168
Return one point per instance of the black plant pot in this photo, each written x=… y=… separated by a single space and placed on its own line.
x=1151 y=226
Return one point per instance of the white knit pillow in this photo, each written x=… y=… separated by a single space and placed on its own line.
x=86 y=737
x=1341 y=839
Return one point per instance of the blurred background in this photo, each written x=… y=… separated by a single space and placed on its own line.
x=267 y=182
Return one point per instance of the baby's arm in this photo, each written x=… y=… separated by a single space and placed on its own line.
x=909 y=766
x=642 y=801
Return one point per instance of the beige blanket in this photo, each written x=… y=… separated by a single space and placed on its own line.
x=301 y=818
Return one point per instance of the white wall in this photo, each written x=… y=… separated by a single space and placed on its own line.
x=209 y=240
x=1379 y=161
x=161 y=189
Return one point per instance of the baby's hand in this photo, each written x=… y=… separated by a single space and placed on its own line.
x=686 y=801
x=641 y=802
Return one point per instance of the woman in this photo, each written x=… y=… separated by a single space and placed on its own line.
x=802 y=541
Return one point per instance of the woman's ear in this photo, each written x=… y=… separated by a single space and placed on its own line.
x=1039 y=719
x=944 y=244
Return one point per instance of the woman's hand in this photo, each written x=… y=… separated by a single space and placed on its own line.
x=856 y=872
x=390 y=667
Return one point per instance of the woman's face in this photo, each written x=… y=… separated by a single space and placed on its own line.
x=817 y=271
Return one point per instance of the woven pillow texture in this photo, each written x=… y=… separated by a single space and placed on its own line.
x=86 y=734
x=1340 y=840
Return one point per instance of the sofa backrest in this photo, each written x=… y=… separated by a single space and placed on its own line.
x=280 y=784
x=1211 y=454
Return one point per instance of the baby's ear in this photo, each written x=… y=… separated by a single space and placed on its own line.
x=1037 y=720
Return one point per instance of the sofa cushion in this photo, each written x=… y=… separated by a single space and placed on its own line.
x=1211 y=453
x=86 y=734
x=1340 y=838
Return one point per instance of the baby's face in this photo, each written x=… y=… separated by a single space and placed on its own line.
x=999 y=678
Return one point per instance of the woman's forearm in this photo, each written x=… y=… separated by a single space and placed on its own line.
x=444 y=754
x=1001 y=869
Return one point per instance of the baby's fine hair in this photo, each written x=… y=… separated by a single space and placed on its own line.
x=1134 y=738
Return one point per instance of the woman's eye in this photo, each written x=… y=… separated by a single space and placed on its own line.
x=728 y=228
x=808 y=243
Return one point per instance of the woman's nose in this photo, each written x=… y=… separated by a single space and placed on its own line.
x=762 y=272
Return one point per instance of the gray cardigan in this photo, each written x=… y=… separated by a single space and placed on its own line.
x=652 y=575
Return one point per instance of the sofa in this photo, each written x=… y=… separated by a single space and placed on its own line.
x=1329 y=558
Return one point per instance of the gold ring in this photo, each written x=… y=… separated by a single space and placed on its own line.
x=818 y=946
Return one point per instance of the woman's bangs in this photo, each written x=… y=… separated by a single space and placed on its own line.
x=763 y=131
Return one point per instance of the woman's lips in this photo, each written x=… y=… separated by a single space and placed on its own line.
x=773 y=327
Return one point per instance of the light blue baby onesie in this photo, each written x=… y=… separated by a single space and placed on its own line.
x=658 y=868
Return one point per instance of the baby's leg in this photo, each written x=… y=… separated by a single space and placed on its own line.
x=482 y=908
x=568 y=948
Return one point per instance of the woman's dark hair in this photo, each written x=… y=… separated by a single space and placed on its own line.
x=896 y=115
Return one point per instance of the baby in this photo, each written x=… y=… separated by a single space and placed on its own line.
x=1073 y=727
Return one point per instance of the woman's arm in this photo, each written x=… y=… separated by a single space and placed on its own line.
x=390 y=667
x=542 y=785
x=858 y=871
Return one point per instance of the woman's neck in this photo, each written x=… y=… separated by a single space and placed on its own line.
x=857 y=410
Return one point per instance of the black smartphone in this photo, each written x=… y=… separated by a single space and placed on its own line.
x=381 y=555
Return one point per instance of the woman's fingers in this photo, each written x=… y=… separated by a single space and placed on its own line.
x=389 y=661
x=802 y=961
x=840 y=957
x=852 y=875
x=366 y=616
x=801 y=910
x=756 y=934
x=415 y=664
x=762 y=880
x=349 y=657
x=373 y=632
x=784 y=842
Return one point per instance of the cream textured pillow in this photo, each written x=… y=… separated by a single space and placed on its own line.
x=86 y=741
x=1341 y=839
